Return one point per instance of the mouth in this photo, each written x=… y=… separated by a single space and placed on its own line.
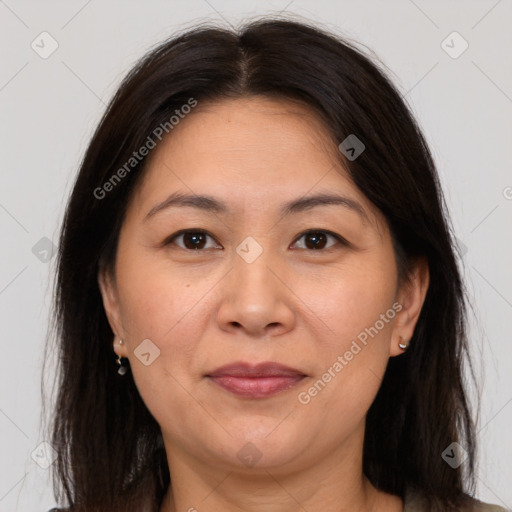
x=260 y=381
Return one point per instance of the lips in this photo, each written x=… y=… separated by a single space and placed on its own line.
x=256 y=381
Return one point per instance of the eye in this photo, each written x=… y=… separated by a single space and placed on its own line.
x=196 y=239
x=192 y=239
x=316 y=239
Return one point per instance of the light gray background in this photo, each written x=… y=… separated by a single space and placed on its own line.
x=49 y=108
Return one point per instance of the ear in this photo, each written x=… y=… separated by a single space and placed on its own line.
x=411 y=296
x=108 y=290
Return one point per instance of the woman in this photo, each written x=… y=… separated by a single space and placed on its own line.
x=258 y=303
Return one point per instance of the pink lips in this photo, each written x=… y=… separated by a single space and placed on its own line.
x=260 y=381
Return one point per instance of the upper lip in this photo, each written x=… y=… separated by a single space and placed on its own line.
x=266 y=369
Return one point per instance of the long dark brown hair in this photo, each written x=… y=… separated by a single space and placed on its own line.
x=110 y=451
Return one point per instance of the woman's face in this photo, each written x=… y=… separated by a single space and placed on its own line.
x=255 y=289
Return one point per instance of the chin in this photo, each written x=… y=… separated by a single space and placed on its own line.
x=266 y=446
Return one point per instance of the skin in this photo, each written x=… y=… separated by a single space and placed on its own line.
x=295 y=305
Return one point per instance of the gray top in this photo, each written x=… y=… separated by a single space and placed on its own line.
x=413 y=503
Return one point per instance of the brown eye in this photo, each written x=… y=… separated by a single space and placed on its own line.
x=318 y=240
x=192 y=240
x=315 y=240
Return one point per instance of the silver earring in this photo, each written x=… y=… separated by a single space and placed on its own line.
x=122 y=368
x=403 y=346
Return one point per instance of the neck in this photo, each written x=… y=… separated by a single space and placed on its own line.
x=335 y=483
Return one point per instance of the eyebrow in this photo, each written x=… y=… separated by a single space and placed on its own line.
x=210 y=204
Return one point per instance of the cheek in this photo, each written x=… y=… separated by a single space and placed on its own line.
x=154 y=298
x=164 y=307
x=351 y=300
x=358 y=312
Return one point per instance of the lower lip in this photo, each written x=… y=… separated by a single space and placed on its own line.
x=256 y=387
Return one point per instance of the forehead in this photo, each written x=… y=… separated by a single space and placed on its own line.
x=250 y=132
x=248 y=150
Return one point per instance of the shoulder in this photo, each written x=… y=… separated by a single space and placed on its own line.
x=414 y=503
x=478 y=506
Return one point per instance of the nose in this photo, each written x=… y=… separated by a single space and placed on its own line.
x=255 y=299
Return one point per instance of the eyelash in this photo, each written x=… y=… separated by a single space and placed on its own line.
x=169 y=240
